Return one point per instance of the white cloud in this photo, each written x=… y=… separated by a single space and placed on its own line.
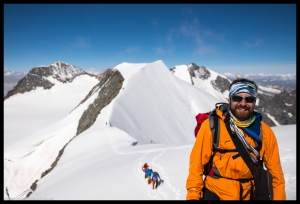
x=132 y=49
x=256 y=43
x=82 y=42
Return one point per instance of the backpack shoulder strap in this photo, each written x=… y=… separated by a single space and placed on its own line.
x=214 y=122
x=214 y=126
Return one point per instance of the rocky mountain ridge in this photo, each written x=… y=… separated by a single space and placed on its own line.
x=38 y=77
x=281 y=105
x=285 y=82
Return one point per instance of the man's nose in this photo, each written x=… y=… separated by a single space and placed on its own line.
x=243 y=102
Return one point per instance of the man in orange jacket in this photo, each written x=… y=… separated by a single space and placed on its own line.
x=247 y=125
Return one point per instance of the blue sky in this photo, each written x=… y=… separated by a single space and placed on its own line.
x=234 y=38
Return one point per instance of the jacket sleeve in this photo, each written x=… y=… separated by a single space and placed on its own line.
x=199 y=156
x=272 y=162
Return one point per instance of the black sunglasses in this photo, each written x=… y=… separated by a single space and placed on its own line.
x=248 y=99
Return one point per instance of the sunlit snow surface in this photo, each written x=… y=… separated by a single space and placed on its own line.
x=153 y=109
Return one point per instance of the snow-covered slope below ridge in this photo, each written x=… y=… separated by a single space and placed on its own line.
x=45 y=140
x=187 y=101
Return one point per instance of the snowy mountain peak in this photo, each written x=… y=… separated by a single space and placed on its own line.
x=59 y=70
x=59 y=64
x=46 y=77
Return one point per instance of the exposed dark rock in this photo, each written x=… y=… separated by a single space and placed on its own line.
x=34 y=185
x=192 y=69
x=203 y=73
x=279 y=82
x=28 y=83
x=266 y=119
x=281 y=106
x=221 y=84
x=108 y=88
x=36 y=77
x=293 y=93
x=61 y=71
x=7 y=193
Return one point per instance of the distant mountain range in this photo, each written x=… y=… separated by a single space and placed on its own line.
x=11 y=79
x=280 y=87
x=277 y=81
x=281 y=82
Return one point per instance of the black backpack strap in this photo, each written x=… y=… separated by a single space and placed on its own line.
x=214 y=127
x=214 y=122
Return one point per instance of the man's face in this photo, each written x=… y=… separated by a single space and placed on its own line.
x=241 y=110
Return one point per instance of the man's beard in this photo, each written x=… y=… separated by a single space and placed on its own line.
x=241 y=116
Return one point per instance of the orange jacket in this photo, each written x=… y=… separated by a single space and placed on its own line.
x=228 y=167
